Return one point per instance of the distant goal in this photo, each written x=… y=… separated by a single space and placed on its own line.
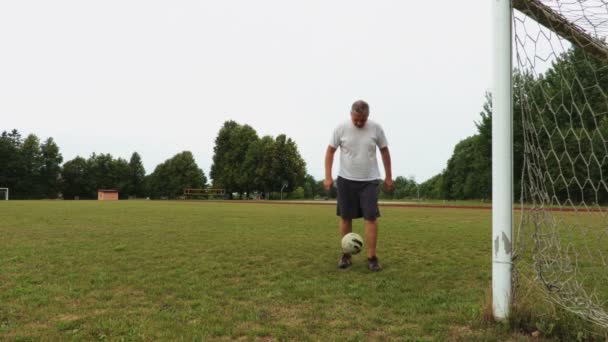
x=204 y=193
x=3 y=194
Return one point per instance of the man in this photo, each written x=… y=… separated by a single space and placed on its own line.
x=358 y=178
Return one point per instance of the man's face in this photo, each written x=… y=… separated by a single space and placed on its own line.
x=359 y=119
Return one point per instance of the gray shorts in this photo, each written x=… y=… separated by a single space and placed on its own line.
x=357 y=199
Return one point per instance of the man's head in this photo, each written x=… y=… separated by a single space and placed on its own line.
x=359 y=113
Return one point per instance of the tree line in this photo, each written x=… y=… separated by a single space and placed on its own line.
x=569 y=143
x=34 y=170
x=243 y=164
x=562 y=114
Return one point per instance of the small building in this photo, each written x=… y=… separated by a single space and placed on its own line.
x=107 y=195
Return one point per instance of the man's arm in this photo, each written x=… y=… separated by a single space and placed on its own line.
x=329 y=162
x=386 y=160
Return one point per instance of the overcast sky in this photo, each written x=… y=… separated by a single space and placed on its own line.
x=161 y=77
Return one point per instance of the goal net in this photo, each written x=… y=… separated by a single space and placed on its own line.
x=560 y=92
x=3 y=194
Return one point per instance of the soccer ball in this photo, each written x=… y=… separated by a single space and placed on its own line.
x=352 y=243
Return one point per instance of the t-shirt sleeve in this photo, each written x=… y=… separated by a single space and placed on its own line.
x=382 y=142
x=335 y=138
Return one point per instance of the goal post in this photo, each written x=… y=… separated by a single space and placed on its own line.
x=550 y=91
x=4 y=194
x=502 y=160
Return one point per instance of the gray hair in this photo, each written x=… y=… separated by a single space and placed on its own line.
x=360 y=107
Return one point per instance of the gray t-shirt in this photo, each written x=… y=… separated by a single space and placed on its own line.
x=358 y=150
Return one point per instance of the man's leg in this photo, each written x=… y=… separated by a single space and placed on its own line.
x=369 y=205
x=346 y=226
x=371 y=235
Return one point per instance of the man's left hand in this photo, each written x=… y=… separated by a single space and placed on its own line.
x=388 y=185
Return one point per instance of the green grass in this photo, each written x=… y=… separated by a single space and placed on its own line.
x=441 y=203
x=158 y=270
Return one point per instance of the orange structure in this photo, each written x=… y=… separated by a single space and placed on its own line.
x=107 y=195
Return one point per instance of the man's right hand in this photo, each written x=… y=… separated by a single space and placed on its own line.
x=327 y=183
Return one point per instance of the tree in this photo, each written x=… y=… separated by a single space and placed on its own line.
x=567 y=135
x=102 y=171
x=50 y=171
x=433 y=188
x=83 y=178
x=463 y=178
x=260 y=159
x=560 y=109
x=76 y=180
x=10 y=159
x=121 y=174
x=400 y=188
x=29 y=166
x=243 y=162
x=229 y=169
x=310 y=189
x=288 y=165
x=137 y=173
x=171 y=177
x=298 y=193
x=244 y=137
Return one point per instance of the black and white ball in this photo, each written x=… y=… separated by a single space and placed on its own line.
x=352 y=243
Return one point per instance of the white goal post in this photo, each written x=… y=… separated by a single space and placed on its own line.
x=502 y=160
x=550 y=119
x=4 y=194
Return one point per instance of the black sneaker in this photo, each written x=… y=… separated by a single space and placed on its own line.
x=372 y=264
x=345 y=261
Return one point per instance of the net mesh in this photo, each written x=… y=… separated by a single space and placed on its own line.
x=561 y=98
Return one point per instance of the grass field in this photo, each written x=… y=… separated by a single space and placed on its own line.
x=160 y=270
